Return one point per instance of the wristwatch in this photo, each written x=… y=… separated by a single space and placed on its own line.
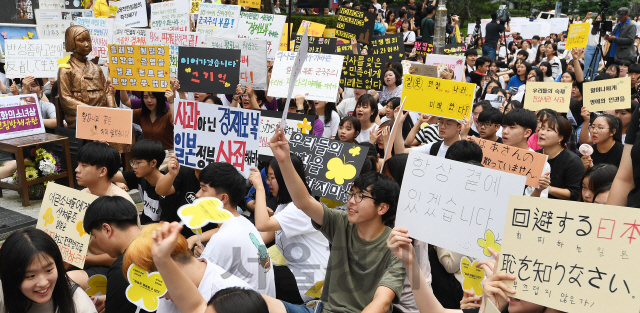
x=299 y=111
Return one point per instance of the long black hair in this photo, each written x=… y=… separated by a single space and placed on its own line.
x=283 y=196
x=18 y=252
x=161 y=104
x=329 y=107
x=236 y=299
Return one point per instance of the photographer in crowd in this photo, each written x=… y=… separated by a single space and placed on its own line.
x=493 y=31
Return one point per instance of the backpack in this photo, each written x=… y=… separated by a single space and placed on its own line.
x=435 y=148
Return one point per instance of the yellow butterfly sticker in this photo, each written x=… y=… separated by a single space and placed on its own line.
x=144 y=289
x=97 y=285
x=304 y=126
x=355 y=151
x=340 y=171
x=202 y=212
x=113 y=10
x=80 y=229
x=64 y=62
x=30 y=35
x=48 y=217
x=472 y=276
x=489 y=241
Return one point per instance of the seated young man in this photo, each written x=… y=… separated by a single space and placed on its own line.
x=361 y=276
x=482 y=67
x=237 y=245
x=489 y=123
x=448 y=129
x=113 y=222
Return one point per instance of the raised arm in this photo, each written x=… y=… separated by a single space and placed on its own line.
x=124 y=98
x=164 y=186
x=575 y=53
x=623 y=183
x=264 y=223
x=398 y=143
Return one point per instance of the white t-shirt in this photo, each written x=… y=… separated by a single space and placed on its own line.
x=215 y=278
x=365 y=135
x=409 y=36
x=346 y=107
x=426 y=149
x=331 y=129
x=305 y=249
x=81 y=301
x=238 y=248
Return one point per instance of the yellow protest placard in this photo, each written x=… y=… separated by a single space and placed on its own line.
x=139 y=68
x=97 y=285
x=254 y=4
x=61 y=216
x=608 y=94
x=315 y=29
x=578 y=34
x=544 y=95
x=471 y=276
x=439 y=97
x=329 y=33
x=202 y=212
x=573 y=257
x=195 y=6
x=285 y=36
x=110 y=124
x=145 y=289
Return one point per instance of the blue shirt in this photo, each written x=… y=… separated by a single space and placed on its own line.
x=515 y=82
x=612 y=50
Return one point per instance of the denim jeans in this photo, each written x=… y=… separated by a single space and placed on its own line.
x=589 y=55
x=489 y=51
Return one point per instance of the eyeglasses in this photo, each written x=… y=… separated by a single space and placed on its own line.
x=358 y=196
x=269 y=179
x=594 y=129
x=445 y=124
x=485 y=125
x=135 y=164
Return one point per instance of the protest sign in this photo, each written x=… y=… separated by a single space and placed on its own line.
x=513 y=160
x=296 y=68
x=145 y=289
x=423 y=48
x=208 y=69
x=53 y=29
x=51 y=4
x=61 y=216
x=424 y=70
x=558 y=25
x=38 y=58
x=220 y=20
x=262 y=26
x=139 y=68
x=608 y=94
x=101 y=30
x=318 y=79
x=355 y=23
x=285 y=37
x=536 y=28
x=315 y=29
x=362 y=71
x=97 y=285
x=472 y=276
x=439 y=97
x=345 y=48
x=496 y=100
x=329 y=33
x=453 y=205
x=171 y=16
x=454 y=62
x=317 y=45
x=573 y=257
x=389 y=48
x=455 y=49
x=205 y=133
x=269 y=122
x=20 y=116
x=578 y=35
x=544 y=95
x=330 y=165
x=131 y=13
x=109 y=124
x=254 y=4
x=202 y=212
x=253 y=58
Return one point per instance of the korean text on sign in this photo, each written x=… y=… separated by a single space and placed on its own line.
x=171 y=15
x=110 y=124
x=141 y=68
x=205 y=133
x=439 y=97
x=20 y=116
x=423 y=48
x=253 y=62
x=36 y=58
x=269 y=123
x=573 y=257
x=208 y=69
x=578 y=35
x=389 y=48
x=543 y=95
x=362 y=71
x=262 y=26
x=608 y=94
x=220 y=20
x=317 y=45
x=101 y=31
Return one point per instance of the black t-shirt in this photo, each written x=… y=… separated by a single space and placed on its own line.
x=116 y=300
x=566 y=172
x=476 y=78
x=492 y=35
x=633 y=200
x=152 y=208
x=613 y=156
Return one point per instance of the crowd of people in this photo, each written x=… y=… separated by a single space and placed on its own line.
x=365 y=261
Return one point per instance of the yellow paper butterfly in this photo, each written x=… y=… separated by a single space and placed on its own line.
x=64 y=62
x=48 y=217
x=304 y=126
x=203 y=211
x=113 y=10
x=339 y=171
x=489 y=241
x=80 y=229
x=30 y=35
x=355 y=151
x=473 y=276
x=144 y=289
x=97 y=285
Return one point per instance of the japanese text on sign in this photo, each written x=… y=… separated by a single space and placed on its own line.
x=608 y=94
x=445 y=98
x=141 y=68
x=543 y=95
x=110 y=124
x=362 y=71
x=36 y=58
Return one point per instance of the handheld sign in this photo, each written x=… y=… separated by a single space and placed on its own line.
x=33 y=57
x=543 y=95
x=608 y=94
x=253 y=62
x=389 y=48
x=270 y=121
x=439 y=97
x=208 y=69
x=97 y=285
x=202 y=212
x=110 y=124
x=262 y=26
x=578 y=35
x=171 y=15
x=317 y=45
x=101 y=30
x=354 y=23
x=141 y=68
x=295 y=71
x=20 y=116
x=220 y=20
x=454 y=62
x=131 y=13
x=315 y=29
x=145 y=289
x=472 y=276
x=362 y=72
x=496 y=100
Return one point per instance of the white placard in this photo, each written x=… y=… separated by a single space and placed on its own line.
x=101 y=30
x=253 y=61
x=220 y=20
x=131 y=13
x=51 y=4
x=539 y=28
x=262 y=26
x=171 y=16
x=496 y=100
x=48 y=29
x=38 y=58
x=453 y=205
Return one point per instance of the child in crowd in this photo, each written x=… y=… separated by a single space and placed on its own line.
x=366 y=111
x=349 y=129
x=595 y=178
x=449 y=131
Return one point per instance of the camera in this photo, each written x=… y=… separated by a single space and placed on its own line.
x=503 y=14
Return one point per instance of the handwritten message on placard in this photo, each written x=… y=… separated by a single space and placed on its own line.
x=362 y=71
x=454 y=205
x=543 y=95
x=145 y=289
x=423 y=48
x=513 y=160
x=131 y=13
x=101 y=31
x=317 y=45
x=455 y=49
x=262 y=26
x=389 y=48
x=254 y=4
x=270 y=121
x=454 y=62
x=205 y=133
x=38 y=58
x=424 y=70
x=61 y=216
x=208 y=69
x=253 y=58
x=355 y=23
x=141 y=68
x=330 y=165
x=315 y=29
x=329 y=33
x=110 y=124
x=608 y=94
x=578 y=35
x=439 y=97
x=318 y=80
x=573 y=257
x=171 y=15
x=50 y=23
x=345 y=48
x=20 y=116
x=220 y=20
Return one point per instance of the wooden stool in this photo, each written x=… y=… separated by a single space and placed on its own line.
x=15 y=146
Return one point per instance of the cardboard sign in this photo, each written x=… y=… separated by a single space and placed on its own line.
x=141 y=68
x=455 y=49
x=472 y=276
x=318 y=80
x=61 y=216
x=608 y=94
x=571 y=256
x=496 y=100
x=317 y=45
x=145 y=289
x=38 y=58
x=52 y=24
x=268 y=27
x=424 y=70
x=131 y=13
x=454 y=205
x=329 y=33
x=423 y=48
x=205 y=133
x=543 y=95
x=315 y=29
x=454 y=62
x=208 y=69
x=269 y=122
x=389 y=48
x=101 y=31
x=330 y=165
x=110 y=124
x=253 y=61
x=20 y=116
x=513 y=160
x=220 y=20
x=439 y=97
x=355 y=23
x=254 y=4
x=171 y=16
x=285 y=36
x=578 y=35
x=202 y=212
x=362 y=71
